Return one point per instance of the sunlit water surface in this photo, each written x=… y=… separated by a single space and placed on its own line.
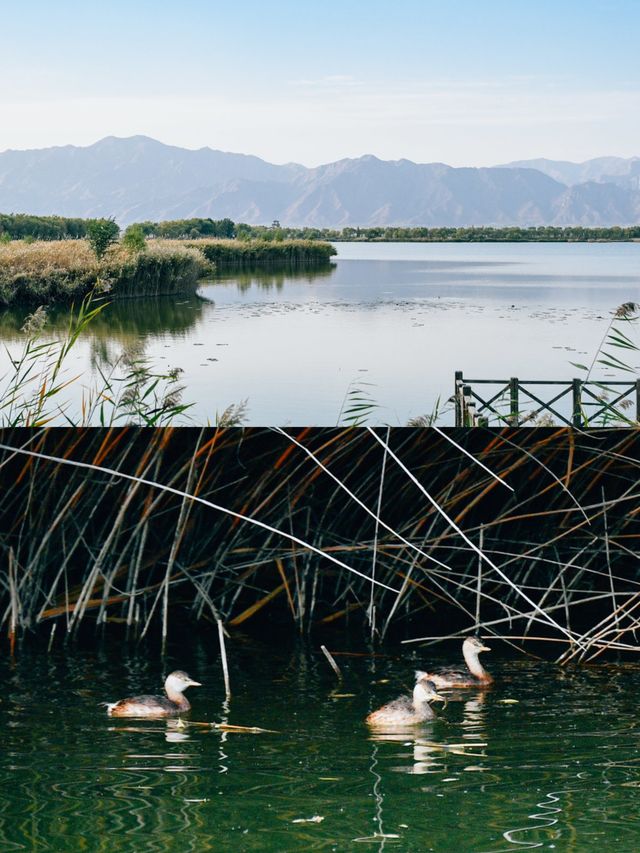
x=402 y=317
x=545 y=759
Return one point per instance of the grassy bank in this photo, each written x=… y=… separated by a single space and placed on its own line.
x=240 y=253
x=66 y=270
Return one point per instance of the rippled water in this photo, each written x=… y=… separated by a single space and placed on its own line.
x=401 y=317
x=546 y=759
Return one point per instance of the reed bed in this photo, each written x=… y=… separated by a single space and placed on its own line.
x=247 y=253
x=526 y=535
x=66 y=270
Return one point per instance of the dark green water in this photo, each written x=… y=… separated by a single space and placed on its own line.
x=557 y=769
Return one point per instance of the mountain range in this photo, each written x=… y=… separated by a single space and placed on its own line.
x=139 y=178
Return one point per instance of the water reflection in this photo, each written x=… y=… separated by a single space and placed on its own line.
x=542 y=830
x=271 y=278
x=123 y=320
x=434 y=748
x=174 y=730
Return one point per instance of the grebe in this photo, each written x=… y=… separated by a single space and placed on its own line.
x=405 y=711
x=157 y=706
x=476 y=676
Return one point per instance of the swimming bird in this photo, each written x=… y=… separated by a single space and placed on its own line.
x=157 y=706
x=475 y=676
x=407 y=711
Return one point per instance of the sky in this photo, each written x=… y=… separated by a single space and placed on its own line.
x=466 y=82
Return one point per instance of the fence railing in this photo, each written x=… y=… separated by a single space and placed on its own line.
x=518 y=402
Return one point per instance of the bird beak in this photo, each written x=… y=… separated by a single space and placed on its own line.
x=485 y=649
x=438 y=698
x=195 y=684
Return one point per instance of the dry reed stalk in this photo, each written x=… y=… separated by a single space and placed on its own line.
x=489 y=624
x=51 y=636
x=226 y=563
x=163 y=487
x=58 y=519
x=332 y=663
x=408 y=577
x=283 y=575
x=361 y=504
x=372 y=611
x=469 y=456
x=185 y=509
x=479 y=582
x=223 y=655
x=610 y=623
x=608 y=554
x=81 y=602
x=605 y=645
x=300 y=579
x=142 y=540
x=14 y=602
x=482 y=556
x=109 y=580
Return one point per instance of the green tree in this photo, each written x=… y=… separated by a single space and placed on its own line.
x=102 y=233
x=134 y=240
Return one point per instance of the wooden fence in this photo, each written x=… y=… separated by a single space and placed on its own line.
x=519 y=402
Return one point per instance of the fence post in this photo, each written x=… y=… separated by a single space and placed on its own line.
x=469 y=407
x=576 y=385
x=456 y=396
x=514 y=403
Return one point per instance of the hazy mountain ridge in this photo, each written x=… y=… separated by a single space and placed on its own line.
x=612 y=170
x=139 y=178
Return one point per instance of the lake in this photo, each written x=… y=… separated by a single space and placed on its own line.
x=394 y=319
x=545 y=759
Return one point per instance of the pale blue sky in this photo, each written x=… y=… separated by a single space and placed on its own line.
x=470 y=82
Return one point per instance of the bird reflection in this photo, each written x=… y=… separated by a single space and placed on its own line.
x=176 y=732
x=433 y=754
x=473 y=719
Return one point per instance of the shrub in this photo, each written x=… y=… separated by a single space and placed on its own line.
x=134 y=240
x=102 y=233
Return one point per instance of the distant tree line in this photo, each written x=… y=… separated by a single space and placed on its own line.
x=17 y=226
x=24 y=226
x=475 y=234
x=183 y=229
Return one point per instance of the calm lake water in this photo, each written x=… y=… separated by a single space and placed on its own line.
x=555 y=767
x=402 y=317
